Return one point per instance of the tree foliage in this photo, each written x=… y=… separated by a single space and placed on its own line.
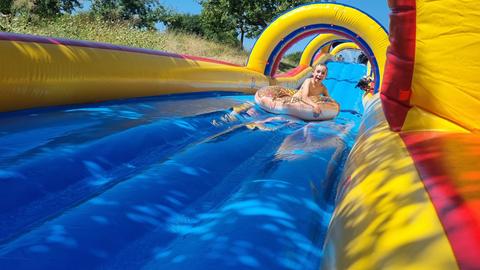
x=218 y=25
x=226 y=21
x=53 y=8
x=40 y=8
x=6 y=6
x=180 y=22
x=141 y=13
x=242 y=18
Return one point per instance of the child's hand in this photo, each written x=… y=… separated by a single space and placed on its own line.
x=317 y=109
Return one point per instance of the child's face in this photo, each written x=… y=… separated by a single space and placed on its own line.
x=320 y=73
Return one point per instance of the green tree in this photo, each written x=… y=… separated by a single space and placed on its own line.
x=6 y=6
x=108 y=10
x=182 y=22
x=245 y=18
x=69 y=5
x=217 y=25
x=141 y=13
x=52 y=8
x=41 y=8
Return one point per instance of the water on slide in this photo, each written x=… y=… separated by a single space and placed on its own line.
x=197 y=181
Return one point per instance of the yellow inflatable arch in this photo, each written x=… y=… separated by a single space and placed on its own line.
x=344 y=46
x=313 y=47
x=316 y=18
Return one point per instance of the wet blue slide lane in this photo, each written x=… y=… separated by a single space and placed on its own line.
x=204 y=181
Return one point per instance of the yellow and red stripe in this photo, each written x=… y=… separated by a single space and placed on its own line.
x=448 y=165
x=384 y=218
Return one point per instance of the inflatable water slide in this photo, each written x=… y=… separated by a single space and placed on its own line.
x=123 y=158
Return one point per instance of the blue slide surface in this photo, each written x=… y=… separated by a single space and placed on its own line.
x=198 y=181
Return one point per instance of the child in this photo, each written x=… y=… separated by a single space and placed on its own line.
x=313 y=87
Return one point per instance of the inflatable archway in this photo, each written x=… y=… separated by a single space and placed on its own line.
x=315 y=18
x=344 y=46
x=310 y=54
x=314 y=46
x=315 y=52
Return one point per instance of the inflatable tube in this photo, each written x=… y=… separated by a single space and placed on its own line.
x=278 y=100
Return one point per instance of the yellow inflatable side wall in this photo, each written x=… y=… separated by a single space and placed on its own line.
x=384 y=218
x=35 y=74
x=445 y=78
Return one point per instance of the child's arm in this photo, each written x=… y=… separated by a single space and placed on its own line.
x=325 y=92
x=299 y=93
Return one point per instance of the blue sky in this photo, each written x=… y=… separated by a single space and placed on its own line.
x=378 y=9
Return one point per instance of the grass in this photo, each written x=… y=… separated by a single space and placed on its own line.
x=85 y=27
